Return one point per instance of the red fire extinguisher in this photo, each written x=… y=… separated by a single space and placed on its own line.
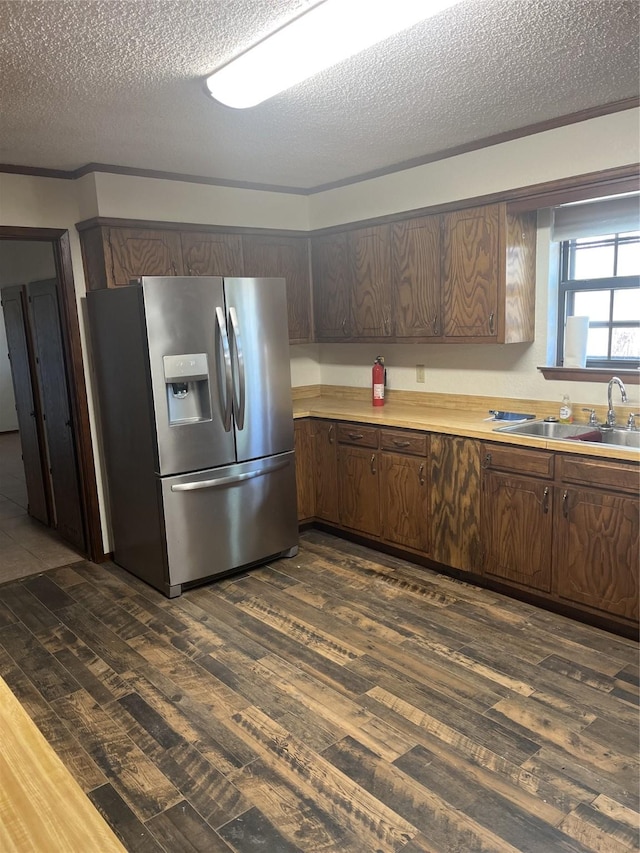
x=378 y=381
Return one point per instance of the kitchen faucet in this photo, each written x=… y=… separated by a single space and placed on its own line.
x=611 y=415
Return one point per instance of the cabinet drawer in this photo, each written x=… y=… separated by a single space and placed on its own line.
x=619 y=476
x=413 y=443
x=520 y=460
x=363 y=436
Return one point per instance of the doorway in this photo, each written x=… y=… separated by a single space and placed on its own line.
x=48 y=381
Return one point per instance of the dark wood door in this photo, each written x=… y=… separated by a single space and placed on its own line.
x=44 y=320
x=211 y=254
x=331 y=286
x=326 y=470
x=415 y=272
x=404 y=500
x=305 y=486
x=455 y=502
x=288 y=258
x=358 y=490
x=28 y=408
x=370 y=258
x=596 y=552
x=470 y=263
x=138 y=251
x=517 y=522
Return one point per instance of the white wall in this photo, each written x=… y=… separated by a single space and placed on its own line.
x=508 y=370
x=20 y=262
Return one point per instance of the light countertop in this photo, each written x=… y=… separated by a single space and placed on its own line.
x=467 y=422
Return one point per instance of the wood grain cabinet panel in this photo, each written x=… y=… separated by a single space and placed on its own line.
x=358 y=489
x=288 y=258
x=135 y=252
x=471 y=246
x=597 y=555
x=415 y=271
x=455 y=502
x=326 y=470
x=331 y=286
x=211 y=254
x=517 y=531
x=370 y=259
x=305 y=463
x=404 y=500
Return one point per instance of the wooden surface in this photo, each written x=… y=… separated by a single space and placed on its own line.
x=340 y=701
x=463 y=416
x=42 y=807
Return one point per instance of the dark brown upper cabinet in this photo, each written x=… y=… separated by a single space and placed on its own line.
x=211 y=254
x=331 y=286
x=415 y=274
x=288 y=258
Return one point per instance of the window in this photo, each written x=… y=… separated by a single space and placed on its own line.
x=600 y=278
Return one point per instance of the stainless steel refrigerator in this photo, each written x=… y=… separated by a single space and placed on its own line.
x=194 y=395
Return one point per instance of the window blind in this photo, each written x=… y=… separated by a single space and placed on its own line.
x=594 y=218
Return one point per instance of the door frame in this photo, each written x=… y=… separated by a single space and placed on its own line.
x=74 y=367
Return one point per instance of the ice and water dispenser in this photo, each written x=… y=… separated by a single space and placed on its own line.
x=187 y=384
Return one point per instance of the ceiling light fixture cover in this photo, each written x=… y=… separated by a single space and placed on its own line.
x=323 y=36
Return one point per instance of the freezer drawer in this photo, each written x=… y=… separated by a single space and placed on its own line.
x=225 y=518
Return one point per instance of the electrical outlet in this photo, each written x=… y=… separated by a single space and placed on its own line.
x=419 y=372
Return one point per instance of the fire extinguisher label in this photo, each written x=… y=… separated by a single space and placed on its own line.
x=378 y=391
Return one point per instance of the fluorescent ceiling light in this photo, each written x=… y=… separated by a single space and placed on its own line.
x=325 y=35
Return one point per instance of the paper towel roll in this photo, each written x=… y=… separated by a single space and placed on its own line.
x=575 y=341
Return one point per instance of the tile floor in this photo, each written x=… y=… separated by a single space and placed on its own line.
x=26 y=546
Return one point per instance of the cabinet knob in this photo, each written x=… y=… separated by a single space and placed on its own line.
x=492 y=317
x=344 y=326
x=373 y=463
x=435 y=325
x=565 y=504
x=399 y=443
x=330 y=434
x=355 y=436
x=545 y=500
x=487 y=461
x=421 y=474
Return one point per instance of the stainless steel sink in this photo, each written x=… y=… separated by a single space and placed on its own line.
x=618 y=436
x=547 y=429
x=621 y=437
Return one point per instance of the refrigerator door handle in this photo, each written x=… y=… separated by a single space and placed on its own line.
x=226 y=396
x=239 y=398
x=233 y=478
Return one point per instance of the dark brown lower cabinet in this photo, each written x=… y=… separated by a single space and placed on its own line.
x=517 y=522
x=597 y=557
x=358 y=489
x=305 y=488
x=404 y=501
x=455 y=502
x=325 y=470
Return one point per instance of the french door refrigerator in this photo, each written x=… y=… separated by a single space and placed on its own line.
x=194 y=396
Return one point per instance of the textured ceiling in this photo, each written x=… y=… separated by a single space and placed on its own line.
x=122 y=83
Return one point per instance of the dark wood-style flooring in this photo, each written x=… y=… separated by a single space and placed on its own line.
x=339 y=701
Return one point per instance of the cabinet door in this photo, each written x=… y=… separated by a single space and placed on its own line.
x=211 y=254
x=326 y=470
x=597 y=555
x=471 y=268
x=415 y=271
x=404 y=499
x=288 y=258
x=370 y=259
x=303 y=444
x=455 y=502
x=358 y=495
x=517 y=529
x=136 y=252
x=331 y=286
